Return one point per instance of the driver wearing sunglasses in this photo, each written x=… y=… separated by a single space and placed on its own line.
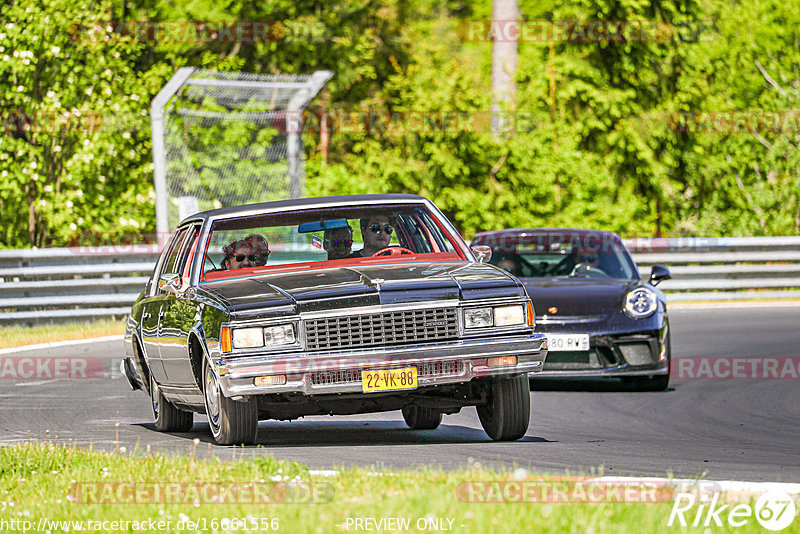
x=252 y=251
x=377 y=233
x=587 y=258
x=337 y=242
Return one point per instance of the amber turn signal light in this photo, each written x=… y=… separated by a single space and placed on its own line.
x=272 y=380
x=530 y=314
x=225 y=339
x=502 y=361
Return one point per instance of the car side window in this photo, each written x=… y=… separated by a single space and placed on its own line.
x=184 y=250
x=168 y=258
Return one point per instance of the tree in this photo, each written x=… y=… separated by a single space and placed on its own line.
x=75 y=156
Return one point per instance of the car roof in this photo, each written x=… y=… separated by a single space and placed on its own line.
x=521 y=232
x=508 y=240
x=299 y=203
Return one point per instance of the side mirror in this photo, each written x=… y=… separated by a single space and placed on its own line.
x=169 y=282
x=659 y=273
x=482 y=253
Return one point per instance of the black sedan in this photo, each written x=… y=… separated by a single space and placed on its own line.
x=601 y=318
x=338 y=305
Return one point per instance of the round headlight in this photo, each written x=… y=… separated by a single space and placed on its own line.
x=641 y=303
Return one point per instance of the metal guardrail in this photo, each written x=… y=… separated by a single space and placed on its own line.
x=69 y=283
x=723 y=268
x=56 y=284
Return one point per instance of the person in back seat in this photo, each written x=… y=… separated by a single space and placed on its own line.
x=252 y=251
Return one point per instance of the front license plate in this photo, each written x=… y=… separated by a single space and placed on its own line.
x=389 y=379
x=567 y=342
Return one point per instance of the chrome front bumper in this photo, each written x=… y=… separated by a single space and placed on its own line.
x=237 y=374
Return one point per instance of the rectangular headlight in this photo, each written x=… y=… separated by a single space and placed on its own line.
x=248 y=337
x=282 y=334
x=477 y=317
x=509 y=315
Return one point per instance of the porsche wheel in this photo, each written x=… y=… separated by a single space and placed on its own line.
x=420 y=418
x=168 y=418
x=506 y=415
x=232 y=422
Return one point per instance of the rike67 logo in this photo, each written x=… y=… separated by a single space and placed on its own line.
x=773 y=510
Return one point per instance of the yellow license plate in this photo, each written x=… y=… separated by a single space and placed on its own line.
x=389 y=379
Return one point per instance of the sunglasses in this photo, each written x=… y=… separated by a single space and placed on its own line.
x=256 y=259
x=590 y=259
x=376 y=228
x=341 y=242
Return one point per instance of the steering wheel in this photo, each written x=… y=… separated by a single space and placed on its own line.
x=588 y=271
x=393 y=251
x=555 y=269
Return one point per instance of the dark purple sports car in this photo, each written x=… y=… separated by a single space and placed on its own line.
x=601 y=318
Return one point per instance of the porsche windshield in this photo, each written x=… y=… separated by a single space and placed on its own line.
x=566 y=259
x=329 y=237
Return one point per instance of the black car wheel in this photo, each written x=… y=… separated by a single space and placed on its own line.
x=420 y=418
x=506 y=415
x=168 y=417
x=232 y=422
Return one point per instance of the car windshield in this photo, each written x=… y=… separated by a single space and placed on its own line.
x=570 y=258
x=329 y=237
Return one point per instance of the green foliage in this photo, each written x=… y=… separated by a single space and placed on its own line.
x=604 y=149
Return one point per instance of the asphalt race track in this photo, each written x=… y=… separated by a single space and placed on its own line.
x=743 y=429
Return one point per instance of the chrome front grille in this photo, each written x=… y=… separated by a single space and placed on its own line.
x=388 y=328
x=433 y=369
x=329 y=378
x=349 y=376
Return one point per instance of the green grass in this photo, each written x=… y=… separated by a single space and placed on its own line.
x=39 y=481
x=17 y=336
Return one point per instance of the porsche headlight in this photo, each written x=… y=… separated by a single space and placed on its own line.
x=641 y=303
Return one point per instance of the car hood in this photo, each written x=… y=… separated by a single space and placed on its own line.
x=348 y=287
x=576 y=296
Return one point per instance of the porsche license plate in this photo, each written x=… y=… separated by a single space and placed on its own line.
x=389 y=379
x=567 y=342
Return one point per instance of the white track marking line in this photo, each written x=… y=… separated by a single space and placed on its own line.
x=705 y=485
x=34 y=383
x=55 y=344
x=689 y=306
x=323 y=472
